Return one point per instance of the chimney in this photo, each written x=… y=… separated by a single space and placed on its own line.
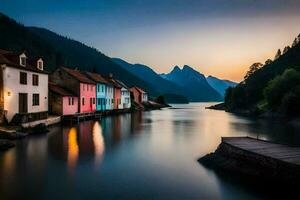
x=110 y=75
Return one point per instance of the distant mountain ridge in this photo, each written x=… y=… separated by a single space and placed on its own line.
x=195 y=84
x=172 y=92
x=220 y=85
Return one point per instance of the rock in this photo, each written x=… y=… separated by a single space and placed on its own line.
x=39 y=129
x=6 y=144
x=220 y=106
x=13 y=135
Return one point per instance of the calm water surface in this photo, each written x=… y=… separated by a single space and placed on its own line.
x=150 y=155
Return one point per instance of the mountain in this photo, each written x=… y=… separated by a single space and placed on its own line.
x=172 y=92
x=58 y=50
x=220 y=85
x=194 y=83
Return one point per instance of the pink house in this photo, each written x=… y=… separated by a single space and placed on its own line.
x=79 y=84
x=61 y=101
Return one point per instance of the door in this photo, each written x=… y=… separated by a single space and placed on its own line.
x=23 y=103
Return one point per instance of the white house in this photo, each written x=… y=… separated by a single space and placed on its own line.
x=109 y=96
x=23 y=87
x=144 y=97
x=125 y=96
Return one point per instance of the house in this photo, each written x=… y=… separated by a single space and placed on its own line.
x=109 y=95
x=101 y=90
x=117 y=92
x=79 y=84
x=61 y=101
x=125 y=96
x=23 y=88
x=139 y=95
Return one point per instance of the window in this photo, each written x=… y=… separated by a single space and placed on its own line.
x=23 y=78
x=23 y=61
x=35 y=79
x=83 y=87
x=83 y=101
x=40 y=64
x=112 y=101
x=94 y=100
x=71 y=101
x=35 y=99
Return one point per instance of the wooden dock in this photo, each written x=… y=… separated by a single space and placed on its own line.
x=256 y=159
x=266 y=149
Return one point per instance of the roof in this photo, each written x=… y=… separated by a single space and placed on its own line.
x=138 y=89
x=59 y=90
x=96 y=77
x=122 y=84
x=78 y=75
x=113 y=82
x=11 y=59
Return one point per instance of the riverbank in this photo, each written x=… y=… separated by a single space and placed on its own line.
x=255 y=159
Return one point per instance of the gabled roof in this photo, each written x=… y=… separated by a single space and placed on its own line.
x=11 y=59
x=59 y=90
x=138 y=89
x=96 y=77
x=113 y=82
x=122 y=84
x=78 y=75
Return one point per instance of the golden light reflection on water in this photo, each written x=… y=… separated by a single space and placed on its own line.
x=98 y=141
x=73 y=149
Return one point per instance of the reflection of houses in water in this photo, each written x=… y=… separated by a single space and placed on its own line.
x=116 y=133
x=136 y=121
x=85 y=138
x=98 y=141
x=73 y=149
x=80 y=143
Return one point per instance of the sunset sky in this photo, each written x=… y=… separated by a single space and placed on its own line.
x=216 y=37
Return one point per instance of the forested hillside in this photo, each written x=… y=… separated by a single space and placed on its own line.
x=277 y=79
x=58 y=50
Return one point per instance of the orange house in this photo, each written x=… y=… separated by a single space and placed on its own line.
x=139 y=95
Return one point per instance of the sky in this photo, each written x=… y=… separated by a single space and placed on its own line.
x=216 y=37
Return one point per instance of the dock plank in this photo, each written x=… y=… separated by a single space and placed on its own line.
x=266 y=149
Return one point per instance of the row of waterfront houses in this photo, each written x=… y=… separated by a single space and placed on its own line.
x=29 y=93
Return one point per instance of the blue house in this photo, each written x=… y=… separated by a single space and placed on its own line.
x=101 y=90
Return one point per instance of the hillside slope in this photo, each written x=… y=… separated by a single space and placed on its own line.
x=165 y=87
x=220 y=85
x=58 y=50
x=247 y=95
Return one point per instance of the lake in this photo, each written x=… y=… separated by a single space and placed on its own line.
x=144 y=155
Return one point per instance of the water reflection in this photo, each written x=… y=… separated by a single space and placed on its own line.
x=132 y=156
x=98 y=143
x=73 y=149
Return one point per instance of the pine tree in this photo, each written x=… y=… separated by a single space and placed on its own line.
x=278 y=54
x=285 y=49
